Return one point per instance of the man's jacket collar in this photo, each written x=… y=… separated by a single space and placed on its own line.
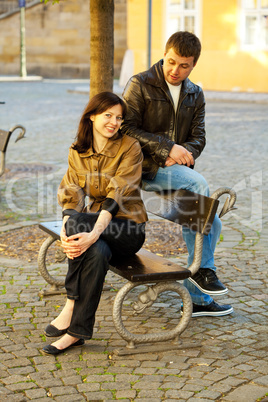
x=156 y=78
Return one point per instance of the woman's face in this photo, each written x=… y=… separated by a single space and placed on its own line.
x=106 y=124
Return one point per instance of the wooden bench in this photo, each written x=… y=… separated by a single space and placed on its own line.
x=145 y=268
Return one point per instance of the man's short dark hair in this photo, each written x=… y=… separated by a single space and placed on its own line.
x=185 y=44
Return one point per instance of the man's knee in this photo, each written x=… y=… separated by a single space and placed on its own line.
x=198 y=184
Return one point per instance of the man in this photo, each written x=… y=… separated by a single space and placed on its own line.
x=166 y=113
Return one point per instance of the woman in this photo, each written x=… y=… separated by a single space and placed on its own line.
x=106 y=167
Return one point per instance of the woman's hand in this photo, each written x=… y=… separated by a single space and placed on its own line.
x=63 y=236
x=77 y=244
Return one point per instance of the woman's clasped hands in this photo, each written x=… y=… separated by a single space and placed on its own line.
x=77 y=244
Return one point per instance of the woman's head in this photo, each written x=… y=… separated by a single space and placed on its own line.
x=103 y=101
x=97 y=105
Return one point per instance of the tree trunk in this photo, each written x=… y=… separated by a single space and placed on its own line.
x=101 y=46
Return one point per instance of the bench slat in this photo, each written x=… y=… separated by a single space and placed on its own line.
x=145 y=266
x=52 y=228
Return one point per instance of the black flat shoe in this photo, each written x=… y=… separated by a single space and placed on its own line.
x=52 y=350
x=52 y=331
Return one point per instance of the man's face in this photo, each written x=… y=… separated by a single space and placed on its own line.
x=176 y=68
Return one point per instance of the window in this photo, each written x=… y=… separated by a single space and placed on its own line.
x=254 y=24
x=182 y=15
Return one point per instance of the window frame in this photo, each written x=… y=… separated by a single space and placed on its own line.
x=258 y=13
x=183 y=12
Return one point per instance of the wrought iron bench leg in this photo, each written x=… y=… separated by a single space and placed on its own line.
x=57 y=286
x=146 y=299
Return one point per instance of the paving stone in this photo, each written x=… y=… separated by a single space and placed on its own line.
x=113 y=385
x=131 y=378
x=86 y=387
x=178 y=394
x=172 y=385
x=215 y=376
x=209 y=394
x=178 y=378
x=145 y=383
x=21 y=370
x=21 y=386
x=45 y=380
x=146 y=371
x=45 y=367
x=61 y=390
x=74 y=380
x=262 y=380
x=69 y=398
x=244 y=367
x=192 y=387
x=152 y=394
x=29 y=352
x=129 y=394
x=36 y=393
x=246 y=393
x=18 y=397
x=98 y=396
x=232 y=381
x=96 y=378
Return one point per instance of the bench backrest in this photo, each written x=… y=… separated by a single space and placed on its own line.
x=184 y=207
x=181 y=206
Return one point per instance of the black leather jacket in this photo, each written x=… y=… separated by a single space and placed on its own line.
x=152 y=120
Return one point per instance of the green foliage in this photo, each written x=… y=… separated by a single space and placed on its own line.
x=53 y=1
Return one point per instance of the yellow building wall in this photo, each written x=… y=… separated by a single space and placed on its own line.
x=223 y=65
x=137 y=32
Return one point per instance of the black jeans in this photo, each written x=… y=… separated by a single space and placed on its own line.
x=86 y=273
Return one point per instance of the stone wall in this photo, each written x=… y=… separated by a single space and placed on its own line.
x=57 y=39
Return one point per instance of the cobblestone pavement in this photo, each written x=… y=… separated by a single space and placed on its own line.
x=230 y=363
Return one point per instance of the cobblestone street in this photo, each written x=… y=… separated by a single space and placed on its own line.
x=230 y=362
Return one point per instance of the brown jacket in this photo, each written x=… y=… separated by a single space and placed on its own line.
x=113 y=174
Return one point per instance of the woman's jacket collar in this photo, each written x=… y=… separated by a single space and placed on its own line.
x=110 y=149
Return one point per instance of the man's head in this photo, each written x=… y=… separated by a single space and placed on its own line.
x=181 y=54
x=185 y=44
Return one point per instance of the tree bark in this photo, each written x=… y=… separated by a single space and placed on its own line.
x=101 y=46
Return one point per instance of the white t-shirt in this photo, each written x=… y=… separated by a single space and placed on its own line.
x=175 y=91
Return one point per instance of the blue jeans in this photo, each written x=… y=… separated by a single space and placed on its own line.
x=181 y=177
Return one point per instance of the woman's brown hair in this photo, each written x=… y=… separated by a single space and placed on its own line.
x=97 y=105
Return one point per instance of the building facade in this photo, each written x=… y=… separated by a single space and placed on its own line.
x=233 y=33
x=57 y=38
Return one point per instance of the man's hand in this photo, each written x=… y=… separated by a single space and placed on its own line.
x=180 y=155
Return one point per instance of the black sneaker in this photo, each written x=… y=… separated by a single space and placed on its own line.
x=207 y=281
x=213 y=310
